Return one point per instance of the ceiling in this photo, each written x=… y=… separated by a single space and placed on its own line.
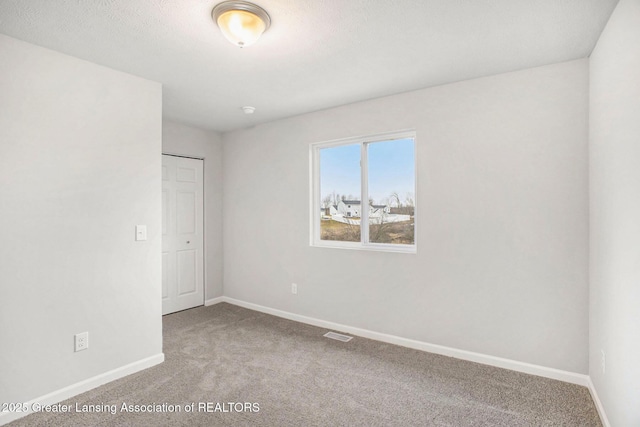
x=317 y=54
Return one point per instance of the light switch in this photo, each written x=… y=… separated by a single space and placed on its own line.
x=141 y=232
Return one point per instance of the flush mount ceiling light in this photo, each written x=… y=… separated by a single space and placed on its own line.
x=241 y=22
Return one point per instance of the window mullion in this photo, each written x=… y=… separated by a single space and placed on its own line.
x=364 y=203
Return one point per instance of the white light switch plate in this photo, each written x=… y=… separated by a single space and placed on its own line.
x=141 y=232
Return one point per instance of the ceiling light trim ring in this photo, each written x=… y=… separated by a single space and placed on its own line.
x=244 y=6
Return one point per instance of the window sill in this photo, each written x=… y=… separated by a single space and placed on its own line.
x=333 y=244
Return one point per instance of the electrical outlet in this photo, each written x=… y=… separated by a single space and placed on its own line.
x=294 y=288
x=603 y=361
x=81 y=341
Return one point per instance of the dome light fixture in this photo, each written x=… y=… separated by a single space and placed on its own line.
x=241 y=22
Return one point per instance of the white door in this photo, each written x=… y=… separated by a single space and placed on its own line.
x=182 y=233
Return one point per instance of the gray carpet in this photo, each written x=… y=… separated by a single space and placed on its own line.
x=224 y=353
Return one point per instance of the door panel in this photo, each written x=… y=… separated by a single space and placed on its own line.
x=186 y=175
x=165 y=211
x=165 y=275
x=187 y=215
x=187 y=272
x=182 y=234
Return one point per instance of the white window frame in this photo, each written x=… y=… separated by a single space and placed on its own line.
x=315 y=198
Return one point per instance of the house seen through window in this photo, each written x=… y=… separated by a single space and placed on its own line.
x=379 y=170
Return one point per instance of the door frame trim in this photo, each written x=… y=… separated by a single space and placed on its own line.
x=182 y=155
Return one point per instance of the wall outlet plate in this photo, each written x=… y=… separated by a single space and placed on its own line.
x=81 y=341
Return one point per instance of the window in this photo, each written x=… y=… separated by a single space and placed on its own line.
x=378 y=169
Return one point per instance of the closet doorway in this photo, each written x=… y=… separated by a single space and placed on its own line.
x=182 y=233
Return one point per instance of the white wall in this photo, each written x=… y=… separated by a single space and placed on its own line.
x=79 y=168
x=192 y=142
x=501 y=267
x=615 y=215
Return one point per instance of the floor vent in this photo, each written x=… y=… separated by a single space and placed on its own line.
x=339 y=337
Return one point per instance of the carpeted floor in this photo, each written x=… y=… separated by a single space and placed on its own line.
x=287 y=374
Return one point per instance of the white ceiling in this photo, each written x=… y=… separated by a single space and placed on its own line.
x=317 y=53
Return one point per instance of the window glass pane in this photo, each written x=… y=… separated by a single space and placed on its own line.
x=391 y=191
x=340 y=193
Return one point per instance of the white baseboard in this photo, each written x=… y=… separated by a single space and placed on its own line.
x=213 y=301
x=514 y=365
x=82 y=386
x=598 y=402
